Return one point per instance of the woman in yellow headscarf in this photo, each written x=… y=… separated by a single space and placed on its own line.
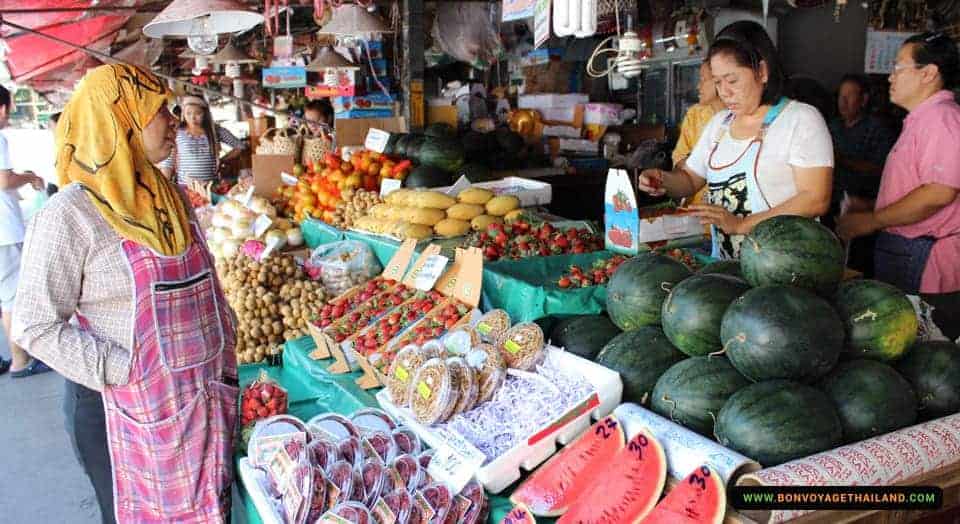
x=117 y=249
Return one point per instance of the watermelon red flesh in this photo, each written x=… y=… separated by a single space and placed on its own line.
x=518 y=515
x=635 y=293
x=782 y=332
x=792 y=250
x=693 y=310
x=880 y=320
x=562 y=479
x=699 y=499
x=627 y=489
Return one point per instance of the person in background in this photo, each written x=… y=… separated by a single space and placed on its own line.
x=11 y=244
x=861 y=142
x=197 y=156
x=764 y=156
x=118 y=251
x=318 y=115
x=917 y=212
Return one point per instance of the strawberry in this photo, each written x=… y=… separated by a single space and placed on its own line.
x=564 y=282
x=262 y=412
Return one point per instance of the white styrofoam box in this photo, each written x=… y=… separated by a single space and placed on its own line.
x=549 y=100
x=252 y=480
x=505 y=469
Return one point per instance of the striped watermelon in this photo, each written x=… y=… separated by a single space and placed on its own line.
x=700 y=499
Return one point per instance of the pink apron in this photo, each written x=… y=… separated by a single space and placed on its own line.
x=170 y=429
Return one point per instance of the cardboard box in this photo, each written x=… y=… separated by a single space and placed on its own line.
x=369 y=102
x=353 y=132
x=554 y=77
x=442 y=114
x=266 y=173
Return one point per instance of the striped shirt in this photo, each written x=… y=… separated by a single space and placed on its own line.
x=194 y=160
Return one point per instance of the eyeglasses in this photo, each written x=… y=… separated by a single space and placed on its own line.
x=900 y=67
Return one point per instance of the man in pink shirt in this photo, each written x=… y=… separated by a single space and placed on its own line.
x=917 y=211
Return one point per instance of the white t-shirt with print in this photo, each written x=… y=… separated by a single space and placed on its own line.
x=11 y=219
x=798 y=137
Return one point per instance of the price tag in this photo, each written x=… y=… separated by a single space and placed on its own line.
x=261 y=225
x=292 y=497
x=288 y=179
x=265 y=447
x=247 y=197
x=389 y=185
x=371 y=451
x=384 y=514
x=281 y=467
x=332 y=518
x=455 y=462
x=272 y=244
x=376 y=140
x=430 y=272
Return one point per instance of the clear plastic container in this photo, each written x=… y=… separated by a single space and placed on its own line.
x=338 y=426
x=493 y=325
x=354 y=512
x=373 y=419
x=433 y=392
x=407 y=441
x=408 y=467
x=469 y=389
x=491 y=370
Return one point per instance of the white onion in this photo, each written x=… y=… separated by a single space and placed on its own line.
x=294 y=236
x=274 y=236
x=230 y=248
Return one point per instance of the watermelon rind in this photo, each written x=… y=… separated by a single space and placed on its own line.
x=693 y=391
x=782 y=332
x=692 y=313
x=723 y=267
x=559 y=482
x=778 y=421
x=583 y=335
x=871 y=399
x=792 y=250
x=933 y=368
x=880 y=320
x=636 y=291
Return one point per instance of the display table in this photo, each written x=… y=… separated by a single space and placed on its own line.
x=313 y=390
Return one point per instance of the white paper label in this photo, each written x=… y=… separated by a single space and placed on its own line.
x=389 y=185
x=288 y=179
x=247 y=197
x=261 y=225
x=376 y=140
x=455 y=462
x=430 y=272
x=271 y=245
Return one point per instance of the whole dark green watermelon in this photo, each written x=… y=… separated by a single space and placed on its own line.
x=509 y=141
x=879 y=318
x=476 y=173
x=635 y=293
x=584 y=335
x=441 y=130
x=444 y=153
x=792 y=251
x=692 y=313
x=726 y=267
x=933 y=368
x=778 y=421
x=403 y=142
x=693 y=391
x=640 y=356
x=871 y=399
x=427 y=176
x=391 y=147
x=476 y=146
x=782 y=332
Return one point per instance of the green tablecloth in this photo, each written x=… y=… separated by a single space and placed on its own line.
x=312 y=390
x=316 y=232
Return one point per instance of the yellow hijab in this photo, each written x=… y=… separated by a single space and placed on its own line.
x=100 y=146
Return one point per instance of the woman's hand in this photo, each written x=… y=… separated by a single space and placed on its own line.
x=858 y=224
x=720 y=217
x=650 y=182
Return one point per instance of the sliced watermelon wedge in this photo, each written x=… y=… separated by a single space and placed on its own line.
x=562 y=479
x=518 y=515
x=628 y=487
x=700 y=499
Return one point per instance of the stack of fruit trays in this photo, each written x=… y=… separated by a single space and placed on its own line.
x=349 y=301
x=367 y=312
x=396 y=321
x=521 y=239
x=380 y=350
x=439 y=322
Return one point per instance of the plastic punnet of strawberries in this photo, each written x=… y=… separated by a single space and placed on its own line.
x=391 y=324
x=263 y=398
x=436 y=324
x=599 y=273
x=521 y=239
x=368 y=312
x=336 y=309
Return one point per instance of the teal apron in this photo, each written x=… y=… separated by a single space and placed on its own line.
x=734 y=186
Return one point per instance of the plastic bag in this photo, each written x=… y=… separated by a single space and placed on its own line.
x=342 y=265
x=464 y=30
x=262 y=399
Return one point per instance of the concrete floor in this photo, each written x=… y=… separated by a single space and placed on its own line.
x=40 y=480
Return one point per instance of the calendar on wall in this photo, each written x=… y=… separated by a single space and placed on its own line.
x=881 y=52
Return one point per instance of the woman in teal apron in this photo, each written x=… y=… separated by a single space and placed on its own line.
x=765 y=155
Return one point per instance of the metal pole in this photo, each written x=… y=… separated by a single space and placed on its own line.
x=412 y=81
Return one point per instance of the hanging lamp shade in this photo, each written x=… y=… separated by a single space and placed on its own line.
x=221 y=16
x=352 y=19
x=327 y=58
x=231 y=53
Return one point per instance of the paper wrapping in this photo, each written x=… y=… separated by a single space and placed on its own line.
x=686 y=450
x=888 y=459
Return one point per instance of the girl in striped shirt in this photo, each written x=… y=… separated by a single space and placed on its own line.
x=198 y=145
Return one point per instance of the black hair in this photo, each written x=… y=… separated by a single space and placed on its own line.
x=937 y=48
x=323 y=106
x=859 y=80
x=4 y=97
x=55 y=118
x=749 y=44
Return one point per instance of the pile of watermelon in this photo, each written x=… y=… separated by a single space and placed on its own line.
x=774 y=355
